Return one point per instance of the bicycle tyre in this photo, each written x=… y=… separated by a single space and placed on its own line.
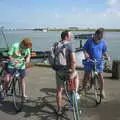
x=17 y=95
x=76 y=111
x=67 y=92
x=97 y=89
x=1 y=80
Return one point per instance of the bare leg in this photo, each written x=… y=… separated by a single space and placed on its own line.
x=77 y=82
x=6 y=79
x=85 y=79
x=101 y=81
x=59 y=97
x=102 y=84
x=23 y=85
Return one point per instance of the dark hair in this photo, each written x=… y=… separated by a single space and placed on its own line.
x=99 y=31
x=99 y=34
x=64 y=34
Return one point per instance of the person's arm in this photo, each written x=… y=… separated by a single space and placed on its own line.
x=86 y=55
x=73 y=62
x=27 y=60
x=107 y=57
x=85 y=49
x=105 y=53
x=10 y=54
x=72 y=58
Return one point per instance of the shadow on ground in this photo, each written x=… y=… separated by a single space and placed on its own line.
x=44 y=108
x=106 y=111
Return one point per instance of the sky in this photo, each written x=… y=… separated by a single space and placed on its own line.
x=60 y=13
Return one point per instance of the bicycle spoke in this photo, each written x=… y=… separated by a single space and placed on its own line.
x=97 y=90
x=76 y=111
x=17 y=95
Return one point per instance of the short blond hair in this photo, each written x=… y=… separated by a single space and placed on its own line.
x=27 y=42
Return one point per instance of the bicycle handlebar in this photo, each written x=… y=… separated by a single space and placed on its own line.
x=95 y=60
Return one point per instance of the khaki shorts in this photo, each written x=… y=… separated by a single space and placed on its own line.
x=61 y=76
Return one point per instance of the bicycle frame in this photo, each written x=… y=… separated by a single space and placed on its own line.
x=94 y=70
x=95 y=80
x=70 y=87
x=13 y=84
x=71 y=95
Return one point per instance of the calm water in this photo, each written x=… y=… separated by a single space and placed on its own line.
x=43 y=40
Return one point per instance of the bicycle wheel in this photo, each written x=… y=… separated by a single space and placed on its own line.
x=2 y=73
x=76 y=111
x=17 y=94
x=97 y=89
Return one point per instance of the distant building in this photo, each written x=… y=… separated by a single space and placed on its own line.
x=41 y=29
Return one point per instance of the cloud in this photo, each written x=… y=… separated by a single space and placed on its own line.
x=113 y=2
x=79 y=16
x=88 y=17
x=57 y=15
x=113 y=7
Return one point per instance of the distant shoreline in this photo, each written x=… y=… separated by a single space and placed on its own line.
x=61 y=29
x=89 y=30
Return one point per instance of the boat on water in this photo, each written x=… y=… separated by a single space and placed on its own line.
x=42 y=56
x=79 y=51
x=41 y=29
x=84 y=36
x=44 y=30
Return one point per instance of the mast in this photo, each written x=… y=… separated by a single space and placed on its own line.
x=4 y=37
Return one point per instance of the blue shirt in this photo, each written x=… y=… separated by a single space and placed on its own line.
x=95 y=50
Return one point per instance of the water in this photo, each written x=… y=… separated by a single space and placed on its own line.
x=43 y=40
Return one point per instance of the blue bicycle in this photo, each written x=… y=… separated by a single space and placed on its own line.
x=70 y=91
x=94 y=79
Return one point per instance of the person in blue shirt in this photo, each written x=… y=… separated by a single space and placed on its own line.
x=95 y=48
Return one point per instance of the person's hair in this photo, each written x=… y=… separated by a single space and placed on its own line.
x=99 y=31
x=99 y=34
x=27 y=42
x=64 y=34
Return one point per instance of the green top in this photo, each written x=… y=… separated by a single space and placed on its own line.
x=18 y=54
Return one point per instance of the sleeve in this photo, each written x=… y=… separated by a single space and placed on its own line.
x=28 y=52
x=104 y=50
x=71 y=48
x=86 y=46
x=11 y=50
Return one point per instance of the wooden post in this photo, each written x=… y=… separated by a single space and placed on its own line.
x=116 y=69
x=81 y=44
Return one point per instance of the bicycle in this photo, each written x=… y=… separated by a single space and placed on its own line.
x=94 y=81
x=70 y=91
x=14 y=88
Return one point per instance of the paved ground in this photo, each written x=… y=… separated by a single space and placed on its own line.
x=42 y=104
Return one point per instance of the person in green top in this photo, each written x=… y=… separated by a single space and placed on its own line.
x=19 y=55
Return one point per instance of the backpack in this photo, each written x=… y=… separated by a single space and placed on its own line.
x=57 y=57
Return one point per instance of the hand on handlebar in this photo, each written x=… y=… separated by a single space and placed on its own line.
x=107 y=58
x=87 y=56
x=28 y=64
x=16 y=62
x=71 y=70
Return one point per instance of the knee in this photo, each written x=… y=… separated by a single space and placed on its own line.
x=100 y=74
x=7 y=77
